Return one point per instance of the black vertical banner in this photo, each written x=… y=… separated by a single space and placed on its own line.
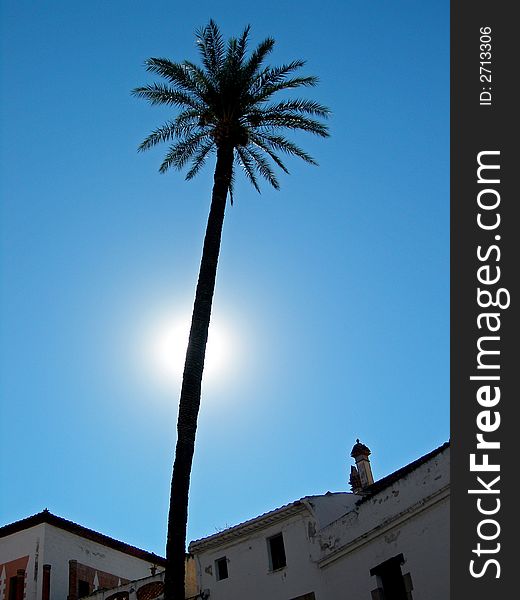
x=485 y=268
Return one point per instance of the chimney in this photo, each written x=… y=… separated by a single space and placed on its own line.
x=360 y=475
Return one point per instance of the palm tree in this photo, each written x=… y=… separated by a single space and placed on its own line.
x=224 y=108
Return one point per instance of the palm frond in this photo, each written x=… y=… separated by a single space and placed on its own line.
x=242 y=44
x=165 y=133
x=292 y=121
x=272 y=75
x=247 y=165
x=278 y=142
x=232 y=185
x=235 y=52
x=298 y=105
x=258 y=56
x=160 y=93
x=264 y=146
x=177 y=74
x=266 y=91
x=188 y=118
x=181 y=152
x=263 y=166
x=203 y=80
x=211 y=45
x=199 y=159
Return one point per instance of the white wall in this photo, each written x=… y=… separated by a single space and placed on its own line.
x=62 y=546
x=47 y=544
x=25 y=543
x=424 y=542
x=248 y=565
x=409 y=517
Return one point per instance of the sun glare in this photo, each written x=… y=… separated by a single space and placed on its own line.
x=167 y=350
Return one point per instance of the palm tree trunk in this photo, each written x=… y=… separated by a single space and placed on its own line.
x=191 y=382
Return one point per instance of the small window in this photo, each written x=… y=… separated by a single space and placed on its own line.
x=276 y=552
x=83 y=588
x=392 y=584
x=13 y=582
x=221 y=568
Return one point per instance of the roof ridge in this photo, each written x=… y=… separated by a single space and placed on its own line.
x=384 y=482
x=46 y=516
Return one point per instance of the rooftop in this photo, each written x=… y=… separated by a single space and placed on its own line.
x=312 y=502
x=47 y=517
x=385 y=482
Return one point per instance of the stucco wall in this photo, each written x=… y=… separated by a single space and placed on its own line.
x=61 y=546
x=23 y=548
x=424 y=542
x=248 y=565
x=47 y=544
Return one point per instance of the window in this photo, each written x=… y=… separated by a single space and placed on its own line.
x=276 y=551
x=83 y=588
x=392 y=584
x=221 y=569
x=13 y=582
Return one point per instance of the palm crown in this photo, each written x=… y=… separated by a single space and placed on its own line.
x=228 y=102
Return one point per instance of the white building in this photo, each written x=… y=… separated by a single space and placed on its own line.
x=387 y=541
x=45 y=557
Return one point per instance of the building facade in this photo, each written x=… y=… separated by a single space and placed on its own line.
x=384 y=540
x=387 y=540
x=45 y=557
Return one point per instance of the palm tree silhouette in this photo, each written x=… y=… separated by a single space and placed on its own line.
x=224 y=108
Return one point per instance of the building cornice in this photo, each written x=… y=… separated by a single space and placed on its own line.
x=266 y=520
x=393 y=521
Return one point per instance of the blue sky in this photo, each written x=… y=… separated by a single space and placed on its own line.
x=332 y=298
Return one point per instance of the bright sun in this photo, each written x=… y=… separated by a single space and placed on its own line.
x=167 y=349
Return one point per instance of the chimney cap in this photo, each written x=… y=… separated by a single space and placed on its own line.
x=360 y=449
